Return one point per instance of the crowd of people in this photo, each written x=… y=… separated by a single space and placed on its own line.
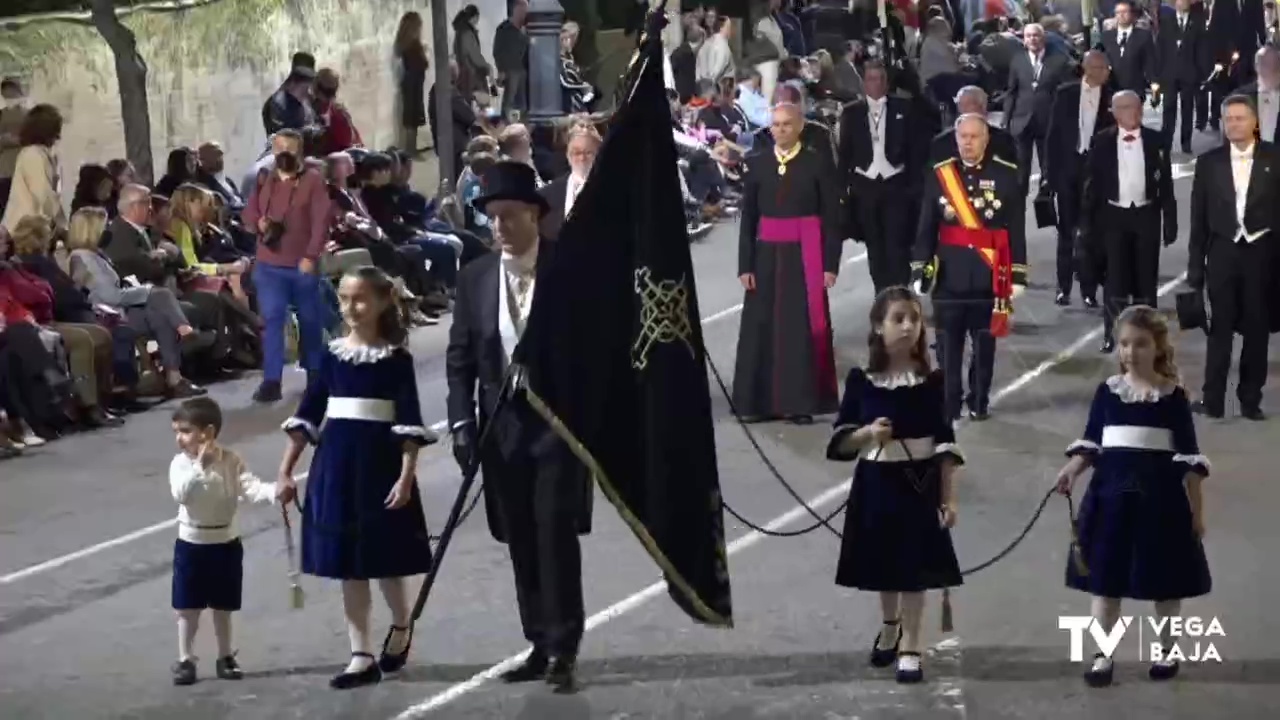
x=137 y=292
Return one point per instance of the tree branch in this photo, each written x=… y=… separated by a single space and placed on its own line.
x=85 y=17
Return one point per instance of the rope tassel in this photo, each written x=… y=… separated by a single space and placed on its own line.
x=296 y=597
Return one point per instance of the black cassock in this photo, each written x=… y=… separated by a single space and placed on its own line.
x=789 y=235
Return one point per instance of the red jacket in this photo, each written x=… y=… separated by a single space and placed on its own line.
x=25 y=297
x=341 y=133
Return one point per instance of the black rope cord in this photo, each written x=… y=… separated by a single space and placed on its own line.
x=826 y=521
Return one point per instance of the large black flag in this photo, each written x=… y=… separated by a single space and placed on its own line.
x=613 y=355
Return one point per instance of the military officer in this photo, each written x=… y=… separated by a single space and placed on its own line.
x=971 y=253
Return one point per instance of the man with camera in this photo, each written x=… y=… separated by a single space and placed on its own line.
x=289 y=211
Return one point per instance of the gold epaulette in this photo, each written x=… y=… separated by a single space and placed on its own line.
x=944 y=162
x=1002 y=161
x=1019 y=267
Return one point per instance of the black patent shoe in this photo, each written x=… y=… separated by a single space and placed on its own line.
x=1108 y=345
x=1062 y=299
x=979 y=415
x=1254 y=414
x=801 y=419
x=909 y=670
x=228 y=669
x=184 y=673
x=388 y=662
x=1101 y=673
x=884 y=657
x=1164 y=670
x=371 y=675
x=1091 y=302
x=533 y=668
x=561 y=676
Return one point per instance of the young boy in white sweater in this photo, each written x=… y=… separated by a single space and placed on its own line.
x=208 y=481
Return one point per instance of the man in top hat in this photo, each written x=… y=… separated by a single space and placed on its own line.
x=537 y=497
x=972 y=245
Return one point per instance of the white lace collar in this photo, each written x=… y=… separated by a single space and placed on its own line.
x=889 y=381
x=1129 y=393
x=353 y=351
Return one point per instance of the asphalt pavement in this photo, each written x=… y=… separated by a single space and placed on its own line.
x=86 y=630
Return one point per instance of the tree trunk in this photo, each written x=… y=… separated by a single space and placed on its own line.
x=131 y=76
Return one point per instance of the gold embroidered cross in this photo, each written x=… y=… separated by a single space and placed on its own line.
x=664 y=316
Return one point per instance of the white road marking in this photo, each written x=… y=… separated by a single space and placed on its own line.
x=637 y=599
x=437 y=427
x=1179 y=171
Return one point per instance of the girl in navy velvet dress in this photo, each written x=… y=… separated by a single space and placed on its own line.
x=897 y=538
x=362 y=518
x=1141 y=520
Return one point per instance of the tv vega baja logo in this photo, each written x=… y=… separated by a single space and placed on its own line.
x=1190 y=638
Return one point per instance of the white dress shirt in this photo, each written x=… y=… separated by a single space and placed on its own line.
x=1037 y=64
x=1268 y=105
x=571 y=190
x=1241 y=170
x=1090 y=99
x=1122 y=38
x=208 y=497
x=1132 y=167
x=877 y=123
x=519 y=278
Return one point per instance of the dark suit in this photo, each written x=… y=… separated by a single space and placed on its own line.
x=556 y=194
x=537 y=500
x=130 y=251
x=1183 y=50
x=878 y=210
x=1269 y=107
x=1238 y=271
x=1064 y=174
x=1029 y=103
x=1133 y=65
x=1237 y=26
x=1129 y=236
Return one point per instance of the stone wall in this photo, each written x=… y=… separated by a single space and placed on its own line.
x=212 y=67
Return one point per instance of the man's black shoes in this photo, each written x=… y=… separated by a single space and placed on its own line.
x=533 y=668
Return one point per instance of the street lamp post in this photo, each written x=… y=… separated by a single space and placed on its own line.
x=546 y=98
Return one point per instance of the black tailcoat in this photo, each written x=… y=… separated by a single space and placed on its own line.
x=475 y=366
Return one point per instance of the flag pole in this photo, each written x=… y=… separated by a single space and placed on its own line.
x=459 y=503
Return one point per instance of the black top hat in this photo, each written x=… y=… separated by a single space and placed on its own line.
x=510 y=181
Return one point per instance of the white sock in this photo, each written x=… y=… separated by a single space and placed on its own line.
x=188 y=624
x=357 y=604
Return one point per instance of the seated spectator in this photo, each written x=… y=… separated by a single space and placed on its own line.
x=95 y=188
x=515 y=143
x=470 y=187
x=71 y=307
x=380 y=196
x=152 y=311
x=191 y=208
x=131 y=249
x=180 y=168
x=88 y=344
x=34 y=388
x=211 y=173
x=724 y=117
x=352 y=227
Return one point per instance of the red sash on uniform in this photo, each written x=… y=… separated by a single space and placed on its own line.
x=992 y=245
